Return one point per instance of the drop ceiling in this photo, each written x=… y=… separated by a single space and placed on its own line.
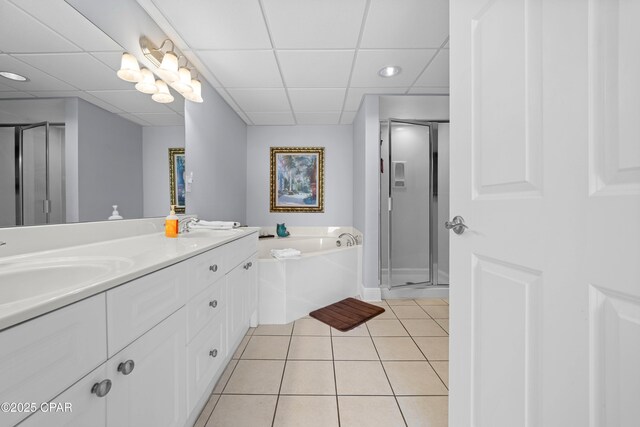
x=275 y=62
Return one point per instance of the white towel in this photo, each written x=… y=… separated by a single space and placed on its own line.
x=216 y=225
x=288 y=253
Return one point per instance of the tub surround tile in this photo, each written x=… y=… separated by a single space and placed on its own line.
x=267 y=347
x=397 y=348
x=420 y=411
x=243 y=411
x=274 y=329
x=307 y=411
x=369 y=411
x=256 y=377
x=308 y=377
x=361 y=378
x=354 y=348
x=224 y=378
x=311 y=327
x=310 y=348
x=442 y=369
x=423 y=328
x=386 y=328
x=414 y=378
x=401 y=301
x=359 y=331
x=435 y=348
x=431 y=301
x=409 y=312
x=437 y=311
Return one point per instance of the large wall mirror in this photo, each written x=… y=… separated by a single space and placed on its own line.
x=75 y=139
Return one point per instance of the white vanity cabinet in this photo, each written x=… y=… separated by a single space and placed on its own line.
x=242 y=283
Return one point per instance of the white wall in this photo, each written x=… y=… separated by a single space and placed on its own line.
x=156 y=141
x=109 y=164
x=366 y=158
x=338 y=175
x=216 y=153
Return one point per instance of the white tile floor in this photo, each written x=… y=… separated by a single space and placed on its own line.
x=391 y=371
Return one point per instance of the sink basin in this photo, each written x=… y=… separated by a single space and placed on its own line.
x=23 y=279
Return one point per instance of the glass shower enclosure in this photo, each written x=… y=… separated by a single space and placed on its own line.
x=414 y=203
x=32 y=174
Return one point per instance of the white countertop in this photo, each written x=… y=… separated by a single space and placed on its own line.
x=33 y=284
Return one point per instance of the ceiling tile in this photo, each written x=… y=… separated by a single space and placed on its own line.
x=406 y=24
x=80 y=70
x=134 y=119
x=347 y=117
x=325 y=24
x=429 y=90
x=316 y=68
x=244 y=117
x=38 y=80
x=162 y=119
x=283 y=118
x=76 y=94
x=437 y=73
x=246 y=68
x=316 y=100
x=5 y=88
x=110 y=59
x=15 y=95
x=21 y=33
x=260 y=99
x=131 y=101
x=354 y=95
x=68 y=22
x=318 y=118
x=235 y=24
x=369 y=62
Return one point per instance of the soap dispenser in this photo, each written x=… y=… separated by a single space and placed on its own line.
x=171 y=223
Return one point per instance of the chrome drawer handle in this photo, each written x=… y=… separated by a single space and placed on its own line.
x=213 y=353
x=213 y=303
x=248 y=265
x=102 y=388
x=456 y=224
x=126 y=367
x=213 y=267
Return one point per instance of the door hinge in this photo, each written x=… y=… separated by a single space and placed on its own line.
x=46 y=206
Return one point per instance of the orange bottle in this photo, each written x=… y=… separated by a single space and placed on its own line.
x=171 y=223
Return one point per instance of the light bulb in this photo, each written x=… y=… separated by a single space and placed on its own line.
x=163 y=96
x=196 y=94
x=148 y=82
x=183 y=85
x=168 y=70
x=129 y=69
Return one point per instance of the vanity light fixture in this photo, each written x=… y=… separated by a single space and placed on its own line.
x=13 y=76
x=168 y=69
x=389 y=71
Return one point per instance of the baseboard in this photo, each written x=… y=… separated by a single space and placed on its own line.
x=370 y=294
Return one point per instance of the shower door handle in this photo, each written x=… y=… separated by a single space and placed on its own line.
x=456 y=224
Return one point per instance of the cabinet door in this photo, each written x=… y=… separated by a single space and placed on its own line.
x=76 y=407
x=239 y=289
x=153 y=393
x=252 y=285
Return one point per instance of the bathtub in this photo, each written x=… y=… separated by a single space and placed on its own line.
x=291 y=288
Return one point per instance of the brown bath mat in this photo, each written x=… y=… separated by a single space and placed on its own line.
x=346 y=314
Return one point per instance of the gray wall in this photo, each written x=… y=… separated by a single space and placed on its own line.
x=338 y=175
x=156 y=142
x=109 y=164
x=216 y=153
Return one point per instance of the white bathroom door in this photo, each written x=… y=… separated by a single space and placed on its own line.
x=545 y=171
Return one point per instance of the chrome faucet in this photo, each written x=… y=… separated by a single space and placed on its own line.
x=184 y=225
x=351 y=242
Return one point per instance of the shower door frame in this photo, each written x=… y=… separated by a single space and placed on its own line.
x=433 y=203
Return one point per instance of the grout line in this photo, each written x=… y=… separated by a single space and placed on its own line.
x=444 y=43
x=284 y=368
x=335 y=378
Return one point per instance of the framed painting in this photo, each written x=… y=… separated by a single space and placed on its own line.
x=297 y=179
x=177 y=186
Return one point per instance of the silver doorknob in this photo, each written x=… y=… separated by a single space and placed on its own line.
x=456 y=224
x=102 y=388
x=126 y=367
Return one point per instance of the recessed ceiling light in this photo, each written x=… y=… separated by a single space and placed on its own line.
x=389 y=71
x=13 y=76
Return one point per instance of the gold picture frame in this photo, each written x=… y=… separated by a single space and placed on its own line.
x=177 y=184
x=297 y=179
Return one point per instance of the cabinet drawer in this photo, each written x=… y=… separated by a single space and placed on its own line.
x=204 y=307
x=137 y=306
x=241 y=249
x=42 y=357
x=87 y=409
x=205 y=355
x=205 y=269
